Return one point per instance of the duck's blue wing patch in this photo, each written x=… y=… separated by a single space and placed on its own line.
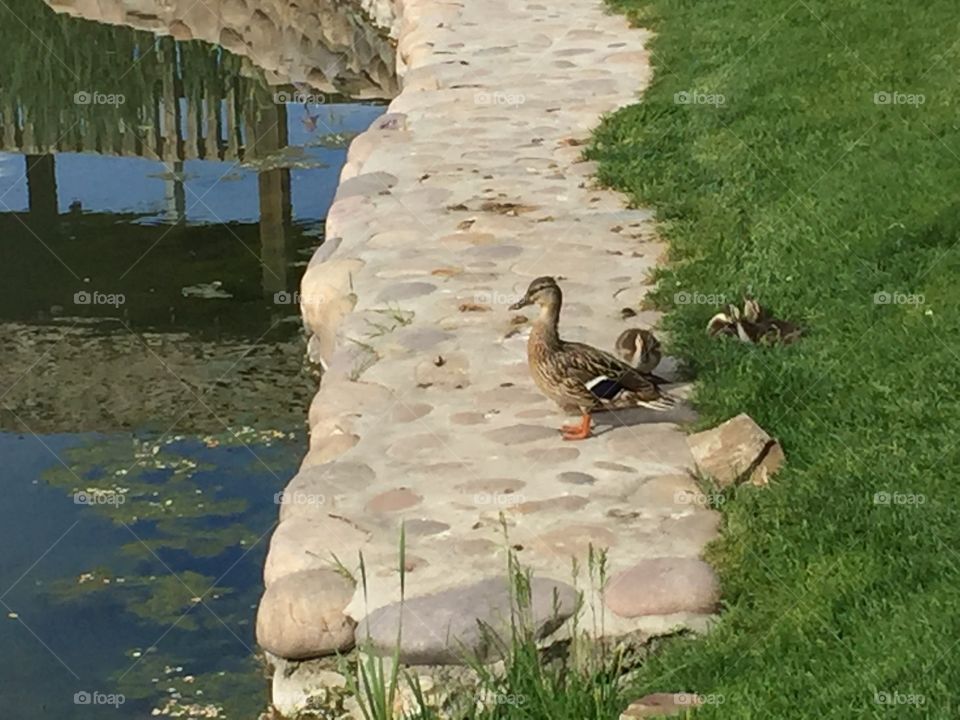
x=603 y=388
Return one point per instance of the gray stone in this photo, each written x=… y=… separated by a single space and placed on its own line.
x=615 y=467
x=366 y=185
x=576 y=478
x=307 y=543
x=449 y=627
x=517 y=434
x=404 y=291
x=301 y=615
x=314 y=489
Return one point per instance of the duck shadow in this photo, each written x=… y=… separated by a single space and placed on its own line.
x=609 y=420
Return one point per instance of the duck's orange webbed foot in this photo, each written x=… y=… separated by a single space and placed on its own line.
x=577 y=432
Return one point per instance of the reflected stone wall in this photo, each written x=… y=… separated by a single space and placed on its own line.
x=330 y=45
x=75 y=378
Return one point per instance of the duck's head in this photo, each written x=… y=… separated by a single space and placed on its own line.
x=543 y=291
x=636 y=342
x=629 y=344
x=753 y=311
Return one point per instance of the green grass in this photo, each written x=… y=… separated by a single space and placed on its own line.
x=803 y=190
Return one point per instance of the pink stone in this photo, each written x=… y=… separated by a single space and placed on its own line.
x=564 y=503
x=663 y=586
x=574 y=540
x=393 y=500
x=467 y=418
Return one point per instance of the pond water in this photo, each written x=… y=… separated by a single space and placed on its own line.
x=154 y=392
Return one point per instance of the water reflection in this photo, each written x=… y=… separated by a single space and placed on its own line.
x=150 y=353
x=168 y=274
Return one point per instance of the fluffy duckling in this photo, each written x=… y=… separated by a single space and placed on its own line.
x=724 y=323
x=755 y=325
x=761 y=327
x=579 y=377
x=639 y=348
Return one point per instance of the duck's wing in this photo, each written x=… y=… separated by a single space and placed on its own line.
x=604 y=375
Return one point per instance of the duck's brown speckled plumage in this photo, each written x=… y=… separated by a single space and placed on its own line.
x=562 y=369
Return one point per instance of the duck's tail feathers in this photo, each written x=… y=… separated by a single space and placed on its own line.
x=662 y=403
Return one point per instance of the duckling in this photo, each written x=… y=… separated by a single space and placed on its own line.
x=760 y=326
x=640 y=344
x=724 y=323
x=576 y=376
x=756 y=325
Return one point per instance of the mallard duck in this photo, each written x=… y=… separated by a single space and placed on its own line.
x=642 y=346
x=576 y=376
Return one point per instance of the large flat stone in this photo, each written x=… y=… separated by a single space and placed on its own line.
x=663 y=586
x=448 y=627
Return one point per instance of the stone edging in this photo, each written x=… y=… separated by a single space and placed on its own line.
x=471 y=185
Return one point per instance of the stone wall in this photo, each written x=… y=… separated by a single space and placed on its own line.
x=331 y=45
x=469 y=187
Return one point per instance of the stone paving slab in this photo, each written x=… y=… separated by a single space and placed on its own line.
x=471 y=186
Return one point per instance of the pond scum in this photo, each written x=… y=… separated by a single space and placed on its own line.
x=184 y=529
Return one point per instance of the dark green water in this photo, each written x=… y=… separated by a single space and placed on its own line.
x=153 y=391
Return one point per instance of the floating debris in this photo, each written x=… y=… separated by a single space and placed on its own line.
x=206 y=291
